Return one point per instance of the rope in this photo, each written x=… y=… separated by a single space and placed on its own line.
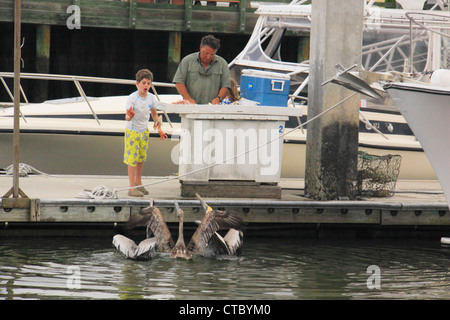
x=24 y=170
x=99 y=193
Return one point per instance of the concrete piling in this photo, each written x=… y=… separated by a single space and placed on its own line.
x=332 y=140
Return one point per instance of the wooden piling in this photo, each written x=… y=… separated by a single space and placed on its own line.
x=42 y=59
x=174 y=53
x=16 y=132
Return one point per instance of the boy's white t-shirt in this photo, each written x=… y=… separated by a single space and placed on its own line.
x=141 y=108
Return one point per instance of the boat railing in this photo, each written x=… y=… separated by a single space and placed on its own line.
x=381 y=55
x=440 y=28
x=389 y=55
x=77 y=81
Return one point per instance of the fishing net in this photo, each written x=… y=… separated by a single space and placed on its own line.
x=377 y=175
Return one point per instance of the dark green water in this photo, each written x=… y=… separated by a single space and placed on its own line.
x=268 y=269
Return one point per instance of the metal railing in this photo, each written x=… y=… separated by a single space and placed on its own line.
x=439 y=27
x=76 y=80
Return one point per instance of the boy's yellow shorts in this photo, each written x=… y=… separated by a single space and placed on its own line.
x=136 y=145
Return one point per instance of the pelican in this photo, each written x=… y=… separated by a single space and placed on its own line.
x=180 y=250
x=144 y=251
x=160 y=240
x=228 y=245
x=205 y=241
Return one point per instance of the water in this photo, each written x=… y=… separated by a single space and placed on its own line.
x=276 y=269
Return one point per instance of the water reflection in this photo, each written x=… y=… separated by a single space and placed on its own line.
x=268 y=269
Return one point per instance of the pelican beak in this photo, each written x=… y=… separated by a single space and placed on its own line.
x=204 y=205
x=151 y=204
x=177 y=207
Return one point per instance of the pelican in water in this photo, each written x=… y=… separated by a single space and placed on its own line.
x=205 y=241
x=180 y=250
x=228 y=245
x=144 y=251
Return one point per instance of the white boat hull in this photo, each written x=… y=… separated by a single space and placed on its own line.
x=79 y=145
x=102 y=155
x=83 y=154
x=426 y=108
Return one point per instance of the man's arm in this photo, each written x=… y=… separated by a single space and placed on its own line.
x=182 y=90
x=224 y=83
x=180 y=79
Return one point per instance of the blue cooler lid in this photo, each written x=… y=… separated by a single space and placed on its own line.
x=265 y=74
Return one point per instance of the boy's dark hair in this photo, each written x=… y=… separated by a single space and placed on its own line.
x=144 y=74
x=210 y=41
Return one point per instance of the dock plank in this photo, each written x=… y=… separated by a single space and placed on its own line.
x=85 y=213
x=419 y=203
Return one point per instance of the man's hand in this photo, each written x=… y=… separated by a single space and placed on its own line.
x=190 y=100
x=216 y=100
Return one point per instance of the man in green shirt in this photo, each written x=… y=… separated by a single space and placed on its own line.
x=203 y=77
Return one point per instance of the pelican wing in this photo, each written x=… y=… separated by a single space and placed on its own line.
x=141 y=219
x=229 y=245
x=234 y=240
x=145 y=249
x=213 y=221
x=216 y=245
x=155 y=221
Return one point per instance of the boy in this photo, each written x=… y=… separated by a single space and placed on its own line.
x=139 y=106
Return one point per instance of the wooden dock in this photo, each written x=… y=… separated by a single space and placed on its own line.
x=55 y=208
x=181 y=16
x=50 y=204
x=167 y=26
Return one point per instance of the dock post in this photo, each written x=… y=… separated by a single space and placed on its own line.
x=15 y=191
x=16 y=130
x=42 y=59
x=332 y=140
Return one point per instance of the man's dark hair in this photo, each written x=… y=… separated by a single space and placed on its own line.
x=211 y=41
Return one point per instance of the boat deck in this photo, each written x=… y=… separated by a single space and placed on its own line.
x=56 y=208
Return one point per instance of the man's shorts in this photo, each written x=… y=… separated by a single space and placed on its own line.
x=136 y=145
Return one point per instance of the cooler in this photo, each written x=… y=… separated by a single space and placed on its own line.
x=266 y=88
